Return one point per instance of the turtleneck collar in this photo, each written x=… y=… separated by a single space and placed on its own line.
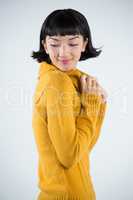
x=44 y=67
x=74 y=74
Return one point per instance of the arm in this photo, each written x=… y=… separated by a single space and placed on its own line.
x=99 y=122
x=69 y=137
x=97 y=117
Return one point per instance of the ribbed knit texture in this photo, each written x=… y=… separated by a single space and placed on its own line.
x=66 y=125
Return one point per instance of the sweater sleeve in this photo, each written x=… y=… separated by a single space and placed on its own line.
x=70 y=136
x=99 y=123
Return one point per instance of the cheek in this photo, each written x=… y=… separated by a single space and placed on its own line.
x=52 y=51
x=77 y=53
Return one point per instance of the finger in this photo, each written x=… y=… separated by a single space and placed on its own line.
x=93 y=85
x=103 y=95
x=83 y=82
x=97 y=88
x=103 y=98
x=94 y=82
x=104 y=92
x=89 y=83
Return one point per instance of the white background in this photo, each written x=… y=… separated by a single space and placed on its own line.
x=111 y=160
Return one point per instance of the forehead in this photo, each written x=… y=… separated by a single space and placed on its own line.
x=66 y=37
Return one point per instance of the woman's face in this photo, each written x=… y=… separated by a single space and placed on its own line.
x=64 y=51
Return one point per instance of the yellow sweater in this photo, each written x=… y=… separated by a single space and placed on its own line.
x=66 y=125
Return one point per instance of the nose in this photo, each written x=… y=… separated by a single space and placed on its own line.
x=63 y=51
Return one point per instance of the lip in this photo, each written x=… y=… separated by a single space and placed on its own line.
x=64 y=60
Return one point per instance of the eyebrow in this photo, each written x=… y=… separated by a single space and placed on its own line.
x=59 y=40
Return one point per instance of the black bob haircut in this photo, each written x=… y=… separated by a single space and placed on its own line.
x=65 y=22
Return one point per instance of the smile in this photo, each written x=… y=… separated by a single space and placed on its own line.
x=64 y=61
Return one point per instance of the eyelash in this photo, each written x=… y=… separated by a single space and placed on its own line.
x=53 y=45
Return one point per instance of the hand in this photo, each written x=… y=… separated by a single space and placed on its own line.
x=90 y=85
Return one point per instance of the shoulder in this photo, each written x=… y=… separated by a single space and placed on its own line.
x=83 y=73
x=53 y=82
x=87 y=74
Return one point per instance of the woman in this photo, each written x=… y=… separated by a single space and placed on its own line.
x=68 y=110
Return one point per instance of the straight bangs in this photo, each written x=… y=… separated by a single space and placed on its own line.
x=63 y=25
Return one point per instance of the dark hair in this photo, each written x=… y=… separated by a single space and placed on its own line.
x=65 y=22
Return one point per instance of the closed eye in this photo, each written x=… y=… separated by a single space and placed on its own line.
x=73 y=44
x=54 y=45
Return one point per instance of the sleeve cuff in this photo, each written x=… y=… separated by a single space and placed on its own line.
x=91 y=103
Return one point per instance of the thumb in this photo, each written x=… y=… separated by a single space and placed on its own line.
x=83 y=82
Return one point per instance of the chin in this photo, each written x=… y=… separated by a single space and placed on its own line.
x=67 y=68
x=64 y=67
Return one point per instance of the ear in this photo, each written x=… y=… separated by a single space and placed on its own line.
x=45 y=46
x=84 y=44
